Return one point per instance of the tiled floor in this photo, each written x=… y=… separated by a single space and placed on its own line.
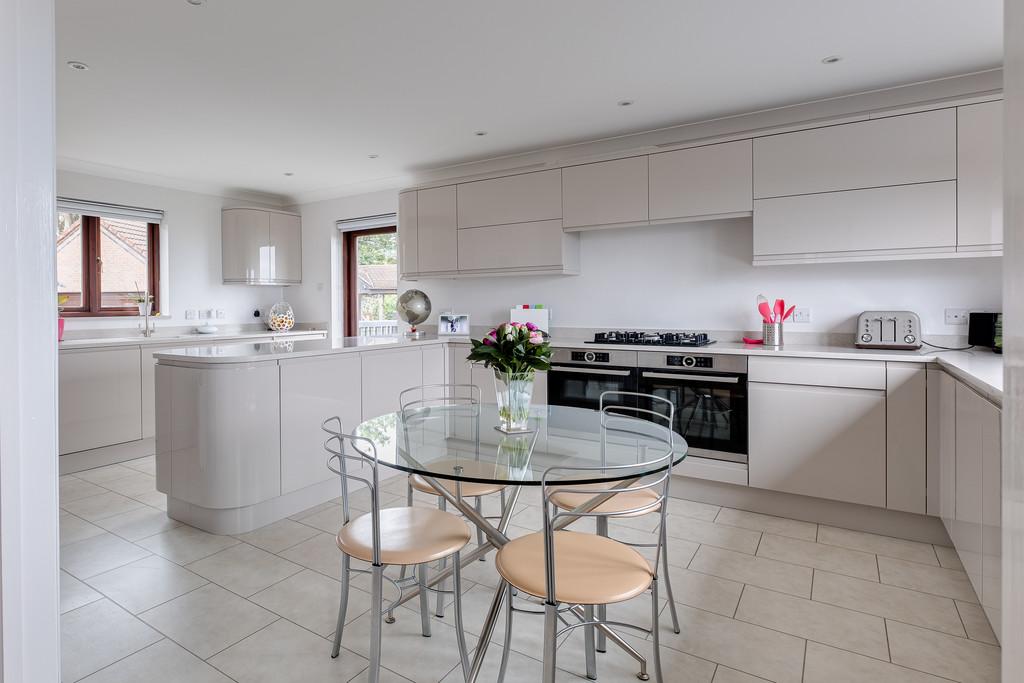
x=760 y=598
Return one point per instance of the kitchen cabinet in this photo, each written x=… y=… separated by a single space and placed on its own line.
x=261 y=247
x=701 y=182
x=533 y=246
x=313 y=389
x=979 y=145
x=906 y=446
x=991 y=515
x=895 y=150
x=522 y=198
x=942 y=443
x=99 y=398
x=408 y=233
x=898 y=222
x=435 y=367
x=966 y=531
x=605 y=194
x=386 y=374
x=436 y=230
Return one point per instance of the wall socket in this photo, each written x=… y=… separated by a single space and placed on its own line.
x=190 y=314
x=220 y=314
x=957 y=316
x=801 y=315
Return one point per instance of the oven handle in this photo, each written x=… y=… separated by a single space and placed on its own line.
x=591 y=371
x=696 y=378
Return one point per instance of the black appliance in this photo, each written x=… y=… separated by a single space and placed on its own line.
x=578 y=378
x=986 y=329
x=653 y=338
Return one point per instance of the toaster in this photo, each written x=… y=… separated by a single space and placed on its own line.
x=888 y=330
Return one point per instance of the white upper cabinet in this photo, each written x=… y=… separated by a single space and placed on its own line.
x=408 y=234
x=708 y=181
x=261 y=247
x=436 y=238
x=979 y=147
x=534 y=246
x=897 y=150
x=605 y=194
x=523 y=198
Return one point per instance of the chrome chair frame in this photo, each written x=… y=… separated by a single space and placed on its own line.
x=553 y=611
x=335 y=445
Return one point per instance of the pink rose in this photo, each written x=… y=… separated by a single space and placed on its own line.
x=536 y=338
x=531 y=327
x=488 y=341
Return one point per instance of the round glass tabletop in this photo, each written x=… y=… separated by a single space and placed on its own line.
x=461 y=443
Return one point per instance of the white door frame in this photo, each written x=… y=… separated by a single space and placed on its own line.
x=29 y=594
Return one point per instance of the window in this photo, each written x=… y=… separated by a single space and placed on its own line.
x=371 y=282
x=105 y=265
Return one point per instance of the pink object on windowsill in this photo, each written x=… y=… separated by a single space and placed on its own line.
x=60 y=329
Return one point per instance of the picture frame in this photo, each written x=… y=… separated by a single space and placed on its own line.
x=453 y=325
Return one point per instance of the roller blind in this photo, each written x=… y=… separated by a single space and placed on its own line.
x=133 y=213
x=383 y=220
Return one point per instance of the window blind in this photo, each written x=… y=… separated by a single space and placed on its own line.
x=134 y=213
x=383 y=220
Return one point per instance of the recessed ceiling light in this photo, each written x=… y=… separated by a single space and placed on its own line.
x=625 y=103
x=287 y=173
x=480 y=133
x=372 y=156
x=78 y=66
x=831 y=59
x=195 y=2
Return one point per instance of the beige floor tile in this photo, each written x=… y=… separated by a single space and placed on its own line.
x=146 y=583
x=386 y=676
x=826 y=664
x=521 y=669
x=781 y=526
x=879 y=545
x=310 y=599
x=185 y=544
x=757 y=571
x=950 y=583
x=853 y=631
x=616 y=665
x=208 y=619
x=719 y=535
x=319 y=553
x=692 y=508
x=153 y=499
x=103 y=505
x=98 y=554
x=97 y=635
x=72 y=488
x=328 y=521
x=745 y=647
x=298 y=516
x=132 y=485
x=948 y=557
x=724 y=674
x=74 y=529
x=286 y=652
x=278 y=536
x=163 y=662
x=147 y=464
x=137 y=524
x=942 y=655
x=74 y=593
x=244 y=569
x=976 y=623
x=527 y=629
x=893 y=602
x=819 y=556
x=703 y=591
x=99 y=475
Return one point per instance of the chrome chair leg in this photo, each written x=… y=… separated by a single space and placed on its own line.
x=376 y=605
x=550 y=646
x=479 y=531
x=460 y=632
x=588 y=640
x=602 y=610
x=508 y=637
x=342 y=605
x=668 y=589
x=401 y=572
x=442 y=505
x=421 y=575
x=655 y=632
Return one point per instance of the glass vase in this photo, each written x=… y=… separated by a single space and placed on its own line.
x=515 y=393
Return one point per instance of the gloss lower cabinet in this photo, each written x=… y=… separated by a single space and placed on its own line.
x=99 y=398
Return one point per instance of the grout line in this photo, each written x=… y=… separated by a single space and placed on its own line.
x=736 y=609
x=888 y=646
x=803 y=664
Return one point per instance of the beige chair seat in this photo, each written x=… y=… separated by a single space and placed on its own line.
x=620 y=502
x=470 y=489
x=407 y=535
x=589 y=569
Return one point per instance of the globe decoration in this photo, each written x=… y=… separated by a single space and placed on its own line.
x=413 y=308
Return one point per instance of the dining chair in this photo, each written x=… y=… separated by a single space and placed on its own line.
x=571 y=568
x=660 y=411
x=405 y=536
x=423 y=398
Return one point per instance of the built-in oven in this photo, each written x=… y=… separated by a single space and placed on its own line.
x=578 y=377
x=709 y=392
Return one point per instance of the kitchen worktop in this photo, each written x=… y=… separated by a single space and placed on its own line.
x=159 y=339
x=278 y=350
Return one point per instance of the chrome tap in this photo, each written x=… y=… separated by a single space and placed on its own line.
x=147 y=331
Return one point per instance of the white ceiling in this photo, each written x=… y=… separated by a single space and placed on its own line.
x=234 y=93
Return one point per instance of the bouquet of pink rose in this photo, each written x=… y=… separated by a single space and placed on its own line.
x=513 y=348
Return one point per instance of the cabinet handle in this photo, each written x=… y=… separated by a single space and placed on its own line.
x=590 y=371
x=696 y=378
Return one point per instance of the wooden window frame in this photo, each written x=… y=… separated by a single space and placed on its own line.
x=92 y=290
x=349 y=267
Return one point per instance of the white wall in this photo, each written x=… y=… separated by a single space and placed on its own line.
x=192 y=261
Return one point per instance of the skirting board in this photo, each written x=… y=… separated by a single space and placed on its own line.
x=874 y=520
x=108 y=455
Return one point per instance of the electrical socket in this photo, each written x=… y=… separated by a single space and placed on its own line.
x=956 y=316
x=801 y=315
x=190 y=314
x=220 y=314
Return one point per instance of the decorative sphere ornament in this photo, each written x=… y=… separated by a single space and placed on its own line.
x=413 y=308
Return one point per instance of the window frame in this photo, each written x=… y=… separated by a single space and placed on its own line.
x=350 y=314
x=92 y=290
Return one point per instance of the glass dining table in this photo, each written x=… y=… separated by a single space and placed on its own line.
x=460 y=443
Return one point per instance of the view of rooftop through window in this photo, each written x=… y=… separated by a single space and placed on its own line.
x=377 y=283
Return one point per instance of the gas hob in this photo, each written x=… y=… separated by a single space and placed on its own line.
x=653 y=338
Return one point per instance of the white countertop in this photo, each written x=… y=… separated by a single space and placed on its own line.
x=280 y=350
x=176 y=338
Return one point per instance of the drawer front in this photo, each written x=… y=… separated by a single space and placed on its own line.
x=897 y=150
x=513 y=199
x=520 y=245
x=853 y=374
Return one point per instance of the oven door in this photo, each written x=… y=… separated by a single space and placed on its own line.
x=581 y=386
x=711 y=410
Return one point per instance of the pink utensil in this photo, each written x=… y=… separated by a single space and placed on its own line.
x=780 y=308
x=789 y=312
x=765 y=312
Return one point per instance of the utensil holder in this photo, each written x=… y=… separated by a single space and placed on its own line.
x=771 y=333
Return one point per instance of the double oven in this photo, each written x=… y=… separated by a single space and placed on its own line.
x=709 y=391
